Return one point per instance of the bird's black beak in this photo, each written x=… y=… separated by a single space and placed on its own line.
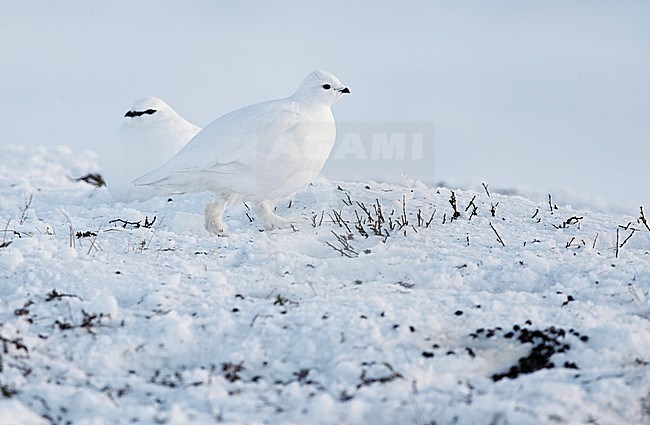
x=345 y=90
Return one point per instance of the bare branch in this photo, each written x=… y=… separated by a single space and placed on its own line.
x=628 y=238
x=493 y=209
x=551 y=206
x=485 y=186
x=314 y=224
x=431 y=219
x=340 y=220
x=627 y=226
x=344 y=241
x=474 y=212
x=4 y=236
x=24 y=208
x=643 y=220
x=568 y=244
x=93 y=243
x=71 y=228
x=348 y=200
x=471 y=203
x=498 y=236
x=365 y=210
x=153 y=233
x=404 y=218
x=452 y=201
x=359 y=225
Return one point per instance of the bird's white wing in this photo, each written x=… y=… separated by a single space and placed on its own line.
x=227 y=146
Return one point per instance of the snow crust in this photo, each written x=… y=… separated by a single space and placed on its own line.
x=116 y=313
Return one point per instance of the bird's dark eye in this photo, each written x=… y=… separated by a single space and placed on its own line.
x=327 y=86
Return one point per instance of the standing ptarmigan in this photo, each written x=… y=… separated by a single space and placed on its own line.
x=152 y=132
x=261 y=153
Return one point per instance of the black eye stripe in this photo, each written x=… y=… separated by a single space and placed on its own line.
x=140 y=113
x=327 y=86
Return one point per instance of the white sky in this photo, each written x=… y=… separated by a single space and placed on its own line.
x=542 y=96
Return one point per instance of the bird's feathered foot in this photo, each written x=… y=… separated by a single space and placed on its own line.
x=270 y=220
x=213 y=222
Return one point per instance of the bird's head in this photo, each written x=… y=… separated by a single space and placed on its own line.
x=320 y=87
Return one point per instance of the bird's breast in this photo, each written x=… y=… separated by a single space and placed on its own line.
x=306 y=143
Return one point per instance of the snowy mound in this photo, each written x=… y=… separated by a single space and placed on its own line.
x=389 y=304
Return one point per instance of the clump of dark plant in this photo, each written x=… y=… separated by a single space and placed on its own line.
x=134 y=224
x=545 y=343
x=232 y=371
x=93 y=179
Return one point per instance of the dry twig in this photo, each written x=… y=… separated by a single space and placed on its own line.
x=71 y=228
x=485 y=186
x=643 y=220
x=498 y=236
x=24 y=208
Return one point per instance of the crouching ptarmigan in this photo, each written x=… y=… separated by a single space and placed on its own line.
x=261 y=153
x=152 y=132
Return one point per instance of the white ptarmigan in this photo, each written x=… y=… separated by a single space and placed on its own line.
x=260 y=153
x=152 y=132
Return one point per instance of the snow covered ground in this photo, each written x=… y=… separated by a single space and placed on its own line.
x=514 y=312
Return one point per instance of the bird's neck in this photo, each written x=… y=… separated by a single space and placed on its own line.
x=308 y=102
